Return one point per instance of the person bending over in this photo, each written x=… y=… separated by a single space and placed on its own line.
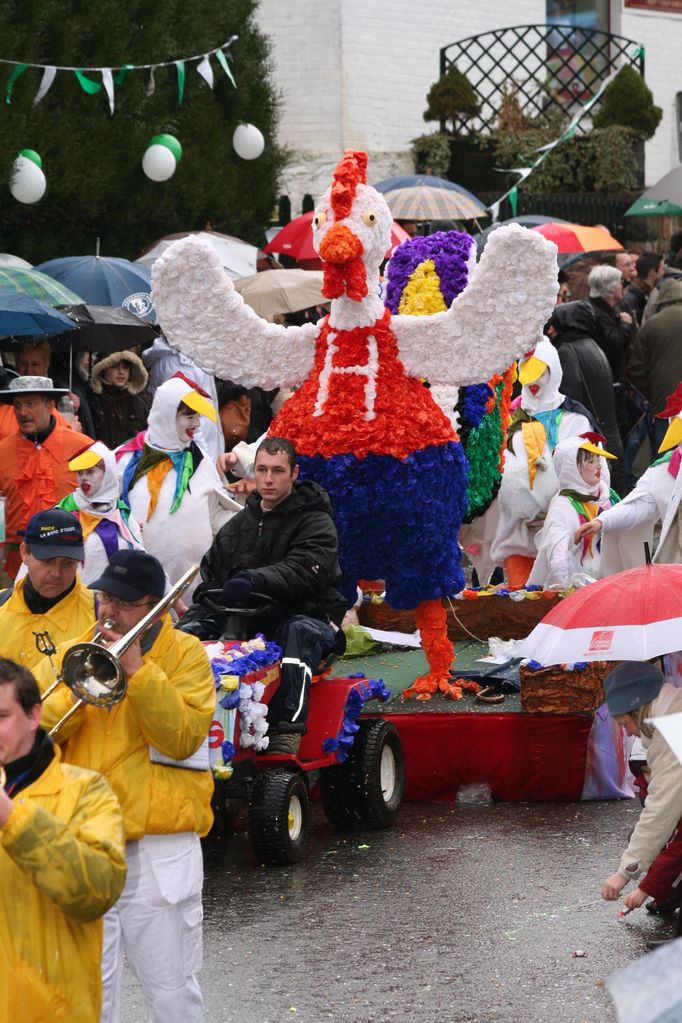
x=283 y=545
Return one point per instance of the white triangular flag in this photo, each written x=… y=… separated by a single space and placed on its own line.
x=206 y=71
x=46 y=81
x=108 y=82
x=151 y=86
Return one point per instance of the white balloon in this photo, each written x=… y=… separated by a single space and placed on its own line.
x=27 y=183
x=248 y=141
x=158 y=163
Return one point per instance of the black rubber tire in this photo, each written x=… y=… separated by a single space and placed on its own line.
x=279 y=817
x=353 y=793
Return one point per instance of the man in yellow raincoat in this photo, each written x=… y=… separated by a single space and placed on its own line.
x=50 y=599
x=62 y=865
x=153 y=748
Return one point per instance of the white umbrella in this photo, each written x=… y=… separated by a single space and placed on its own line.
x=649 y=990
x=6 y=259
x=238 y=257
x=274 y=292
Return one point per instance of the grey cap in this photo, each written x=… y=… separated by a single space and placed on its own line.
x=631 y=685
x=42 y=386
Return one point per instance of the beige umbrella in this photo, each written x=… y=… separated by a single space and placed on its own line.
x=274 y=292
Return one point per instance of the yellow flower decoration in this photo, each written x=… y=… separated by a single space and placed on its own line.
x=422 y=295
x=229 y=682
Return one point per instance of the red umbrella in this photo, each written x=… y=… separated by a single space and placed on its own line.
x=577 y=237
x=296 y=239
x=631 y=616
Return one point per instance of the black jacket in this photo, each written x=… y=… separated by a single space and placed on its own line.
x=612 y=335
x=289 y=553
x=587 y=375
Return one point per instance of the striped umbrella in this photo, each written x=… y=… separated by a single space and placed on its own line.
x=425 y=202
x=31 y=282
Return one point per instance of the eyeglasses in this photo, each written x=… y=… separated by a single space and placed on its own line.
x=106 y=598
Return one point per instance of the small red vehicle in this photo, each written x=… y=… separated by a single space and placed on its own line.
x=355 y=762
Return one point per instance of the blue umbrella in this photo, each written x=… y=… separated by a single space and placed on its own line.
x=23 y=316
x=105 y=281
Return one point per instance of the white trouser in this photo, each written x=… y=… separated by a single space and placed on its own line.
x=157 y=923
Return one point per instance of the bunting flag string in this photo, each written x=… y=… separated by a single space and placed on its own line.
x=113 y=76
x=513 y=193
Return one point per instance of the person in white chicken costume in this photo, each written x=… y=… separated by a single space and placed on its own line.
x=656 y=498
x=171 y=485
x=579 y=463
x=362 y=424
x=543 y=418
x=105 y=520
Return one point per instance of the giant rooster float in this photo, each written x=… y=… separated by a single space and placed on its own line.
x=364 y=426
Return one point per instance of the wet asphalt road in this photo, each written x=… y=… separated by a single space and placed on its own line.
x=464 y=913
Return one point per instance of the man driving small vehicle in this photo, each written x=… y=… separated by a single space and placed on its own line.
x=283 y=546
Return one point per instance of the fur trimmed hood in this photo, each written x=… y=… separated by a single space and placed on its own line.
x=138 y=374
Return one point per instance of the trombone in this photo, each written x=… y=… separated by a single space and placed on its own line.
x=94 y=673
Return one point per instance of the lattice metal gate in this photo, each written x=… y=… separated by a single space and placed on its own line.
x=551 y=65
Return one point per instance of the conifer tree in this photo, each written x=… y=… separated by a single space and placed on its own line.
x=92 y=160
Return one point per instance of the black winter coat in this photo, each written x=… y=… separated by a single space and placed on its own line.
x=587 y=375
x=289 y=553
x=613 y=336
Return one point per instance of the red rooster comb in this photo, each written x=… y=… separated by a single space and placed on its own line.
x=350 y=172
x=673 y=404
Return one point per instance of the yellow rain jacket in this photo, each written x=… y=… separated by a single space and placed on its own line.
x=62 y=865
x=169 y=704
x=67 y=619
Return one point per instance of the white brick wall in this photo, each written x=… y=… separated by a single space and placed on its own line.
x=355 y=73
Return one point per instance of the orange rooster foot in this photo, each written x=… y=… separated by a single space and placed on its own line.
x=423 y=688
x=450 y=689
x=467 y=683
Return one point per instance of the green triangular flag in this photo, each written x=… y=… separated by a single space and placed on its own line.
x=225 y=65
x=17 y=70
x=121 y=73
x=86 y=84
x=180 y=65
x=514 y=200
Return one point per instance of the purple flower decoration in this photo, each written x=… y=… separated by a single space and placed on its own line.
x=358 y=695
x=450 y=252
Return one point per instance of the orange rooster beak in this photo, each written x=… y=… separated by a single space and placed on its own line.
x=340 y=245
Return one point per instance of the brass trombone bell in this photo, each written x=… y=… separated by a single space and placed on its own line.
x=94 y=673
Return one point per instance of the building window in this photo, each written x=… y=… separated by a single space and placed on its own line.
x=581 y=13
x=576 y=64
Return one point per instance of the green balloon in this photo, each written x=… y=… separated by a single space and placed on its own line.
x=31 y=154
x=170 y=142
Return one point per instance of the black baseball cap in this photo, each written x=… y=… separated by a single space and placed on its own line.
x=132 y=575
x=54 y=534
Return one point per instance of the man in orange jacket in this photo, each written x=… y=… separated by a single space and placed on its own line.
x=34 y=470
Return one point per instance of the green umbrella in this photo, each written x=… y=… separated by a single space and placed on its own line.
x=644 y=207
x=664 y=199
x=39 y=286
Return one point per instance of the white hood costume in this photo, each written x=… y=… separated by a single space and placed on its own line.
x=560 y=562
x=655 y=498
x=529 y=481
x=105 y=520
x=172 y=487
